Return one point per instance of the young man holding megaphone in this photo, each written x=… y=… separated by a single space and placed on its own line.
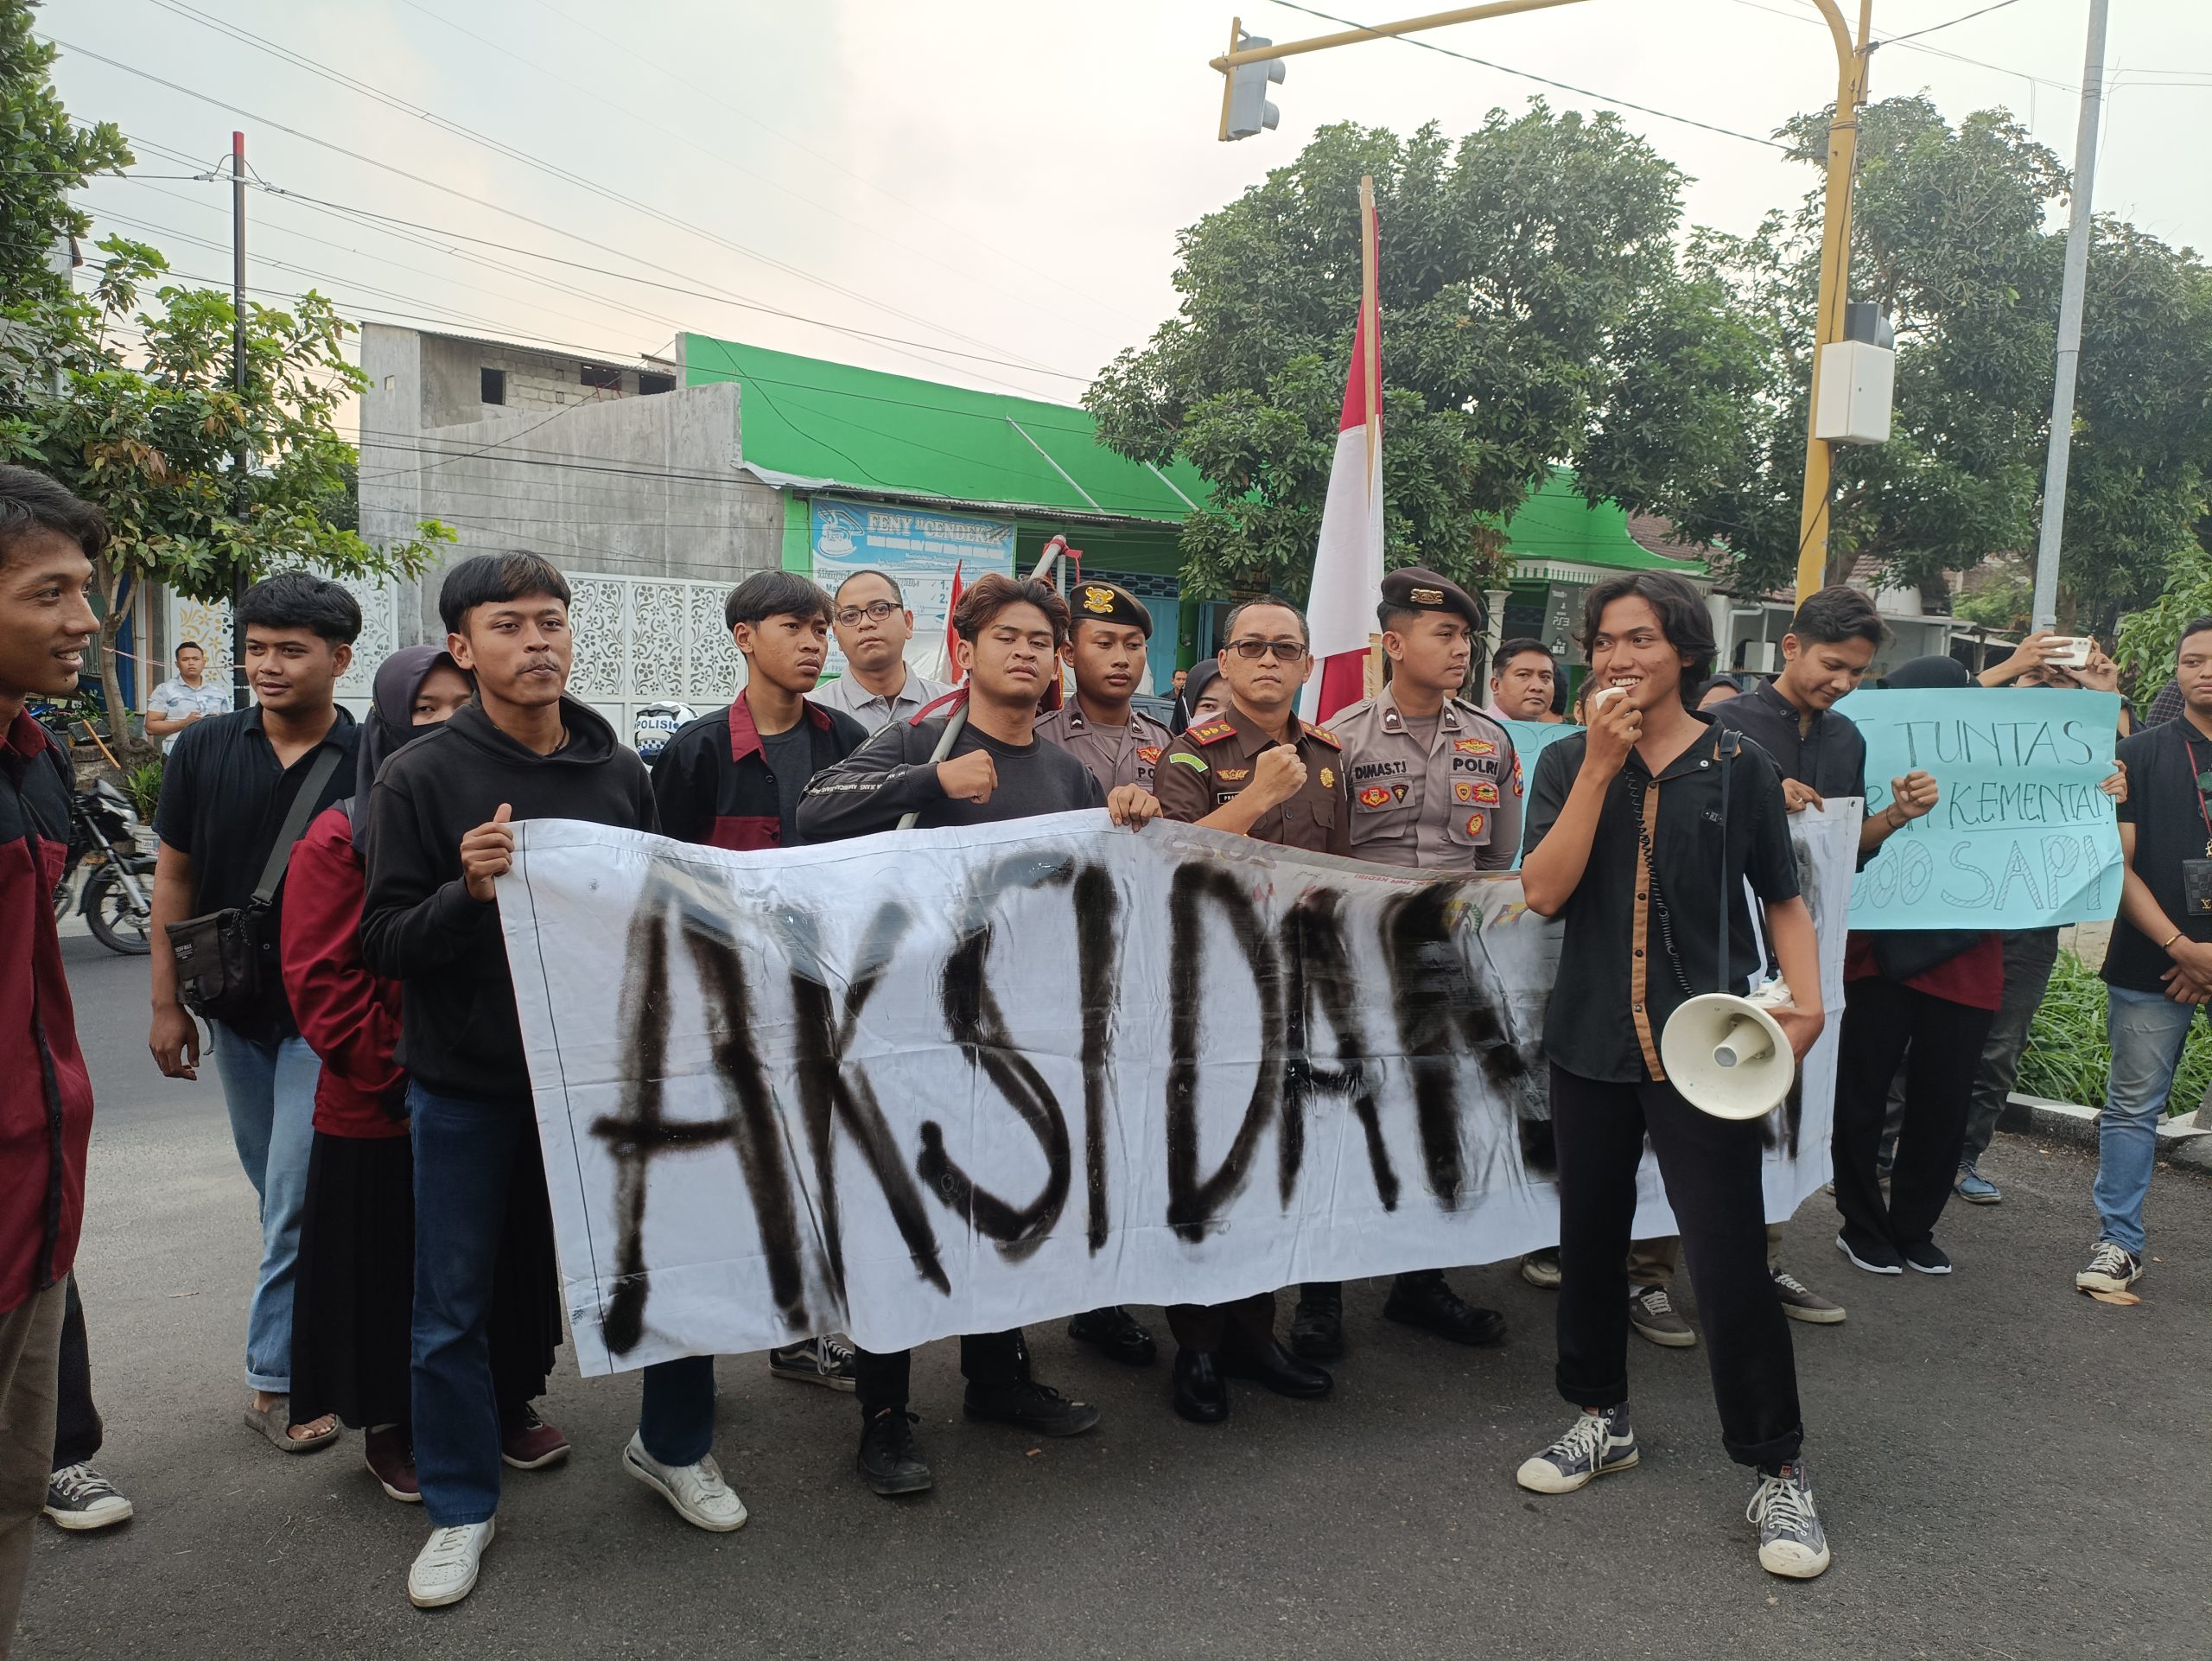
x=1643 y=831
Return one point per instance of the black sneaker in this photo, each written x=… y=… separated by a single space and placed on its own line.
x=1425 y=1300
x=1871 y=1255
x=827 y=1361
x=1928 y=1257
x=2112 y=1269
x=1034 y=1407
x=1316 y=1330
x=889 y=1460
x=1115 y=1333
x=79 y=1499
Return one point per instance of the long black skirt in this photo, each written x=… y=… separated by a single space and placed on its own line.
x=353 y=1298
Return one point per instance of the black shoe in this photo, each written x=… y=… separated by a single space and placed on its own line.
x=1928 y=1257
x=1317 y=1331
x=1278 y=1369
x=1875 y=1257
x=1423 y=1301
x=1034 y=1407
x=889 y=1461
x=1117 y=1334
x=1201 y=1393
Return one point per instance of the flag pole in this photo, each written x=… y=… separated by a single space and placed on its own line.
x=1370 y=370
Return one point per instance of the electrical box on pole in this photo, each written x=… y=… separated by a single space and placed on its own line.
x=1858 y=377
x=1244 y=106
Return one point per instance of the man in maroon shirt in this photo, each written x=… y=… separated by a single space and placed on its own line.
x=47 y=538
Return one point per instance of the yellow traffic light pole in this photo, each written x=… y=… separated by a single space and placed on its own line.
x=1835 y=225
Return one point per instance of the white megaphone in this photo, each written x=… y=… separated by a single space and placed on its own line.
x=1728 y=1056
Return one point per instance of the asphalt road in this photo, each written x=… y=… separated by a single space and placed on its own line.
x=2006 y=1469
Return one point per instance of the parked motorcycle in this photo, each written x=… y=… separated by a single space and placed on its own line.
x=107 y=878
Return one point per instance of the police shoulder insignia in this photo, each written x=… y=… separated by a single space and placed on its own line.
x=1375 y=796
x=1195 y=762
x=1211 y=732
x=1097 y=599
x=1322 y=733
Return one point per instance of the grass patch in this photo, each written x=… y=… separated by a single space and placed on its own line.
x=2068 y=1058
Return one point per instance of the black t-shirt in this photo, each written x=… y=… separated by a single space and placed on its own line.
x=224 y=798
x=1033 y=778
x=1596 y=1027
x=2163 y=805
x=790 y=755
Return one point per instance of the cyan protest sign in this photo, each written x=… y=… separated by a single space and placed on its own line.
x=2023 y=835
x=1530 y=739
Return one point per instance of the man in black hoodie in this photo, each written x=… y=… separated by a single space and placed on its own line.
x=1010 y=635
x=439 y=823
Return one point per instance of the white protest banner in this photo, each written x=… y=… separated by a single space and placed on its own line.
x=952 y=1081
x=2022 y=837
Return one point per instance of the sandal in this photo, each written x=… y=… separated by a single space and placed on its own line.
x=274 y=1422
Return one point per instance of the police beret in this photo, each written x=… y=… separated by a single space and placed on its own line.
x=1105 y=602
x=1413 y=588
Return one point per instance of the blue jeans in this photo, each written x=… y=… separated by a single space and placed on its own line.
x=464 y=1160
x=269 y=1090
x=2147 y=1030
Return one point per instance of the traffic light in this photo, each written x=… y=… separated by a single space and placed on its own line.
x=1244 y=106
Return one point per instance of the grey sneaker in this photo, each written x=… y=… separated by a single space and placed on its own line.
x=1540 y=1270
x=1596 y=1443
x=1792 y=1543
x=1651 y=1312
x=1976 y=1189
x=827 y=1361
x=79 y=1499
x=2112 y=1269
x=1801 y=1302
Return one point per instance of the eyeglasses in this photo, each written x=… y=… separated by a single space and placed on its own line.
x=1284 y=650
x=877 y=610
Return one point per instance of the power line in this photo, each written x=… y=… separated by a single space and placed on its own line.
x=523 y=158
x=1543 y=80
x=416 y=178
x=1895 y=39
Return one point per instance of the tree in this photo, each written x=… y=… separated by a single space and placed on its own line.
x=1955 y=237
x=135 y=410
x=1533 y=313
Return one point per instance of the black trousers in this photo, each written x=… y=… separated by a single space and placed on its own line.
x=77 y=1428
x=1711 y=1168
x=1247 y=1322
x=881 y=1380
x=1940 y=1043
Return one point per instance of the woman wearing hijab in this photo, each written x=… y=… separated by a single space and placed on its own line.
x=356 y=1285
x=1924 y=997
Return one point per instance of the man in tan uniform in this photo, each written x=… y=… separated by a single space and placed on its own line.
x=1121 y=745
x=1100 y=726
x=1254 y=770
x=1434 y=786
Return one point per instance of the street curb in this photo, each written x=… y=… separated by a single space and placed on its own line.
x=2182 y=1143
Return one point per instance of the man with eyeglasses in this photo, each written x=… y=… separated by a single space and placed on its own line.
x=1254 y=770
x=873 y=625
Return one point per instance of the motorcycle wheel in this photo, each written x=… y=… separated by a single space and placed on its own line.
x=118 y=921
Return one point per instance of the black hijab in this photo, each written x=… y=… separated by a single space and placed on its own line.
x=391 y=716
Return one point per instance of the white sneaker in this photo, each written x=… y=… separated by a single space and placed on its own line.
x=1792 y=1543
x=445 y=1569
x=698 y=1492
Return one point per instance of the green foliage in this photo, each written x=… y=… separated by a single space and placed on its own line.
x=1533 y=313
x=2150 y=638
x=143 y=785
x=1955 y=235
x=42 y=159
x=2068 y=1058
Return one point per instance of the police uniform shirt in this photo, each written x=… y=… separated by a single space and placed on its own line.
x=1212 y=761
x=1115 y=756
x=1442 y=794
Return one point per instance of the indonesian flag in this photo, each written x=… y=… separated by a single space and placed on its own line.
x=1348 y=564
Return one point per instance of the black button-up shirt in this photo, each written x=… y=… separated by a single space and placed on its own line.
x=1616 y=981
x=1829 y=757
x=2164 y=806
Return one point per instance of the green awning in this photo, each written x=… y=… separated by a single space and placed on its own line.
x=1558 y=536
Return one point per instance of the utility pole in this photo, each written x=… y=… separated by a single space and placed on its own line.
x=242 y=459
x=2078 y=228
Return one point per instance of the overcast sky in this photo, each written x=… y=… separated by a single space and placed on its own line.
x=1002 y=179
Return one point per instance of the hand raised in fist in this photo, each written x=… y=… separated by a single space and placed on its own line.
x=970 y=778
x=1277 y=775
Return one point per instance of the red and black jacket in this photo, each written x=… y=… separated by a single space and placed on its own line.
x=349 y=1016
x=45 y=1097
x=712 y=784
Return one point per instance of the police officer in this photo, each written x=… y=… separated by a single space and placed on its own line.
x=1253 y=770
x=1101 y=727
x=1121 y=745
x=1434 y=787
